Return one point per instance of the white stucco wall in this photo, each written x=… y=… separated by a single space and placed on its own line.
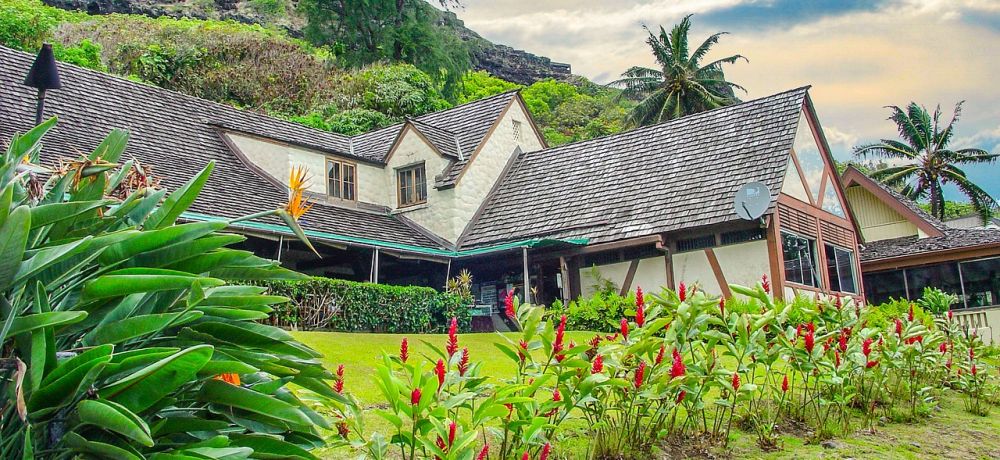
x=744 y=263
x=435 y=215
x=651 y=275
x=272 y=157
x=693 y=268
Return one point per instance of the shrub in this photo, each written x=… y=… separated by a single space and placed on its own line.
x=351 y=306
x=936 y=301
x=124 y=335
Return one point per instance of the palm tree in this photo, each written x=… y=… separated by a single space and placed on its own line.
x=682 y=85
x=928 y=162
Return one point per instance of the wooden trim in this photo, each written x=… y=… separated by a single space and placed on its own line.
x=566 y=293
x=824 y=273
x=399 y=189
x=720 y=276
x=669 y=262
x=531 y=120
x=813 y=211
x=627 y=284
x=831 y=165
x=822 y=189
x=482 y=143
x=927 y=258
x=852 y=176
x=802 y=176
x=600 y=247
x=776 y=257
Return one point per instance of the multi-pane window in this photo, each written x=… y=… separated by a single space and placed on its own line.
x=976 y=283
x=411 y=183
x=340 y=179
x=800 y=259
x=840 y=267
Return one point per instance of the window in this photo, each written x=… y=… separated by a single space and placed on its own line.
x=340 y=179
x=942 y=276
x=800 y=259
x=840 y=267
x=411 y=183
x=881 y=287
x=517 y=130
x=981 y=279
x=691 y=244
x=742 y=236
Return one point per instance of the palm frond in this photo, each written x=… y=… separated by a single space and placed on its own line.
x=886 y=149
x=973 y=155
x=908 y=129
x=984 y=204
x=895 y=176
x=647 y=110
x=704 y=48
x=942 y=138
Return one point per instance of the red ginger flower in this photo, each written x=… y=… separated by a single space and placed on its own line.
x=974 y=370
x=682 y=291
x=784 y=384
x=452 y=337
x=463 y=364
x=811 y=327
x=415 y=396
x=736 y=381
x=404 y=350
x=838 y=302
x=546 y=450
x=659 y=356
x=485 y=453
x=557 y=345
x=972 y=353
x=680 y=397
x=439 y=371
x=810 y=340
x=842 y=344
x=522 y=348
x=899 y=328
x=722 y=306
x=343 y=430
x=951 y=314
x=624 y=328
x=640 y=315
x=866 y=347
x=909 y=315
x=338 y=385
x=677 y=369
x=871 y=364
x=765 y=284
x=639 y=299
x=598 y=365
x=526 y=456
x=556 y=395
x=943 y=348
x=508 y=303
x=452 y=430
x=640 y=373
x=440 y=443
x=836 y=358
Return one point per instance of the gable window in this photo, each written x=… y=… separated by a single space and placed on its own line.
x=340 y=179
x=840 y=267
x=411 y=185
x=800 y=259
x=517 y=130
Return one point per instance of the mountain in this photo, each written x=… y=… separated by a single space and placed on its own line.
x=502 y=61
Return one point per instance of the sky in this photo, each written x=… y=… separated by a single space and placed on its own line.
x=858 y=56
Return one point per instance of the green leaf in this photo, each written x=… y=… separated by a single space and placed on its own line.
x=297 y=230
x=28 y=323
x=13 y=239
x=179 y=201
x=269 y=447
x=145 y=387
x=136 y=326
x=99 y=449
x=116 y=418
x=142 y=242
x=111 y=285
x=46 y=214
x=47 y=257
x=219 y=392
x=26 y=142
x=62 y=386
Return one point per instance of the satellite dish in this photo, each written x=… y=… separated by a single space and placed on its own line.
x=752 y=200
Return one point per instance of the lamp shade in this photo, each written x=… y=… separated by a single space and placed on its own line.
x=44 y=74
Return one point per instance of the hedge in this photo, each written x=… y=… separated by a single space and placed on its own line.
x=340 y=305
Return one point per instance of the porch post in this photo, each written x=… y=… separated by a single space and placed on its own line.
x=527 y=280
x=375 y=267
x=566 y=293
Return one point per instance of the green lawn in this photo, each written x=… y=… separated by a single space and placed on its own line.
x=949 y=433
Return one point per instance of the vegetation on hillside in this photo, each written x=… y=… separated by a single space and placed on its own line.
x=683 y=84
x=928 y=162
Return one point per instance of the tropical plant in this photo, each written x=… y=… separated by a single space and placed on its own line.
x=683 y=84
x=123 y=336
x=929 y=162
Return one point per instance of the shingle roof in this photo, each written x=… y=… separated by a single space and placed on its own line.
x=175 y=134
x=953 y=238
x=675 y=175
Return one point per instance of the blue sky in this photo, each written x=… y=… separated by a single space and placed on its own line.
x=858 y=56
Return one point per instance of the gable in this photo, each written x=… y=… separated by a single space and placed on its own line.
x=810 y=176
x=878 y=221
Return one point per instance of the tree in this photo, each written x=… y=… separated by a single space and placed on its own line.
x=930 y=164
x=682 y=85
x=365 y=32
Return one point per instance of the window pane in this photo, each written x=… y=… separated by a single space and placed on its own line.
x=348 y=182
x=421 y=184
x=809 y=156
x=880 y=287
x=982 y=282
x=840 y=268
x=941 y=276
x=800 y=260
x=404 y=187
x=333 y=178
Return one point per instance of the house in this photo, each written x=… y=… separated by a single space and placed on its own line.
x=475 y=187
x=906 y=249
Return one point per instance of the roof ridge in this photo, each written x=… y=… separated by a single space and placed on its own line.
x=675 y=120
x=477 y=101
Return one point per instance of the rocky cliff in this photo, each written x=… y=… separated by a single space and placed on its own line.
x=499 y=60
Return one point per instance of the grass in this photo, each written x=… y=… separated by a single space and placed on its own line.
x=949 y=432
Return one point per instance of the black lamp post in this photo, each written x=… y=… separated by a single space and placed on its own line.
x=43 y=75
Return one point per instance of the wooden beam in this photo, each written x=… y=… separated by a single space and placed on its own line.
x=720 y=276
x=627 y=284
x=775 y=256
x=566 y=293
